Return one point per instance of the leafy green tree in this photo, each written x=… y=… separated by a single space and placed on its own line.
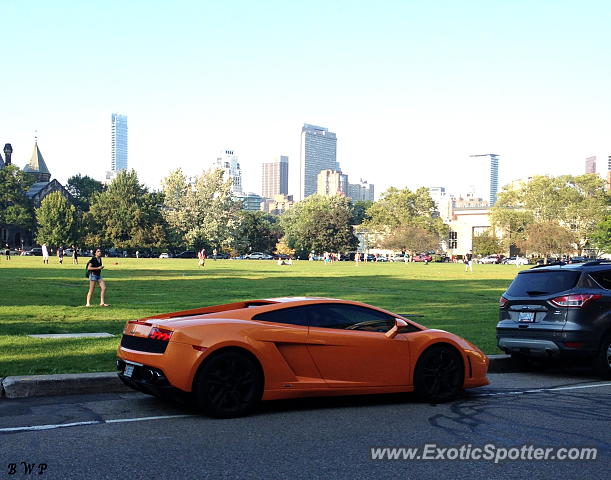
x=56 y=219
x=15 y=207
x=126 y=215
x=319 y=223
x=202 y=213
x=601 y=237
x=486 y=243
x=257 y=231
x=574 y=202
x=360 y=210
x=548 y=239
x=83 y=188
x=409 y=238
x=404 y=207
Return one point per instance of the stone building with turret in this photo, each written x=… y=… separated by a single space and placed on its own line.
x=14 y=235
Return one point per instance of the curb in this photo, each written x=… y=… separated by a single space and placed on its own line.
x=62 y=384
x=108 y=382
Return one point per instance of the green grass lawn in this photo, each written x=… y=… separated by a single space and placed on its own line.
x=39 y=298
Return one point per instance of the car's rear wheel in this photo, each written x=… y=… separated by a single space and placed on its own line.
x=230 y=384
x=439 y=374
x=602 y=362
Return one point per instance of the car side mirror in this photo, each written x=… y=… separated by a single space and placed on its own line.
x=399 y=323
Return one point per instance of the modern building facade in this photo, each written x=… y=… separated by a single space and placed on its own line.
x=227 y=161
x=318 y=152
x=361 y=191
x=119 y=143
x=494 y=178
x=591 y=164
x=275 y=179
x=251 y=201
x=331 y=182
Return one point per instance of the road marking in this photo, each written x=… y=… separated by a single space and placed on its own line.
x=93 y=422
x=540 y=390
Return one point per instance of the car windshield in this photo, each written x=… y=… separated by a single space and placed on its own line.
x=533 y=282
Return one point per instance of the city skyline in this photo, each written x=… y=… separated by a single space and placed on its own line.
x=411 y=89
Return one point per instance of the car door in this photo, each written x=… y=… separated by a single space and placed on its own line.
x=348 y=345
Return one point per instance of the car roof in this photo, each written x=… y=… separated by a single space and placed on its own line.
x=593 y=265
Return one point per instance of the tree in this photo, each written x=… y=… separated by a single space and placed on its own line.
x=548 y=239
x=575 y=202
x=404 y=207
x=126 y=215
x=56 y=219
x=202 y=213
x=319 y=223
x=486 y=243
x=256 y=232
x=15 y=207
x=83 y=188
x=360 y=210
x=409 y=238
x=601 y=236
x=283 y=249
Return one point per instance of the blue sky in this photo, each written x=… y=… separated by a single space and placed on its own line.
x=411 y=88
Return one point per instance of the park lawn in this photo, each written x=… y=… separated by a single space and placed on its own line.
x=39 y=298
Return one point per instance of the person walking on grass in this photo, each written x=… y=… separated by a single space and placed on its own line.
x=45 y=253
x=74 y=255
x=60 y=254
x=7 y=251
x=469 y=262
x=94 y=269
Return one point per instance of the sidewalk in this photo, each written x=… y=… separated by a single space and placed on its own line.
x=106 y=382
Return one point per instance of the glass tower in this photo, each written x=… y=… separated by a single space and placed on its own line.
x=318 y=152
x=119 y=143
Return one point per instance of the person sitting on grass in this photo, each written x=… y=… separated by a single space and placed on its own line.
x=94 y=268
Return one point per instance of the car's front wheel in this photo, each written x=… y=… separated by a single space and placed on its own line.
x=439 y=374
x=230 y=384
x=602 y=362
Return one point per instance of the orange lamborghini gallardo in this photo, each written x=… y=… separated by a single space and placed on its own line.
x=229 y=357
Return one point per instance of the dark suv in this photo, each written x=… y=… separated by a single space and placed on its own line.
x=559 y=310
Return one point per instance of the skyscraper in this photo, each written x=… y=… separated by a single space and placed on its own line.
x=591 y=165
x=276 y=177
x=318 y=152
x=228 y=163
x=119 y=143
x=494 y=178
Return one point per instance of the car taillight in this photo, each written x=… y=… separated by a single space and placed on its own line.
x=160 y=334
x=503 y=302
x=574 y=301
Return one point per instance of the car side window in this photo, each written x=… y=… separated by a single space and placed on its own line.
x=289 y=316
x=603 y=278
x=348 y=317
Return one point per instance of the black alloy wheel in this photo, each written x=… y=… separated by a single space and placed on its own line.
x=602 y=362
x=230 y=384
x=439 y=374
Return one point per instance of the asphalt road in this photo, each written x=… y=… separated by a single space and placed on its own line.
x=118 y=435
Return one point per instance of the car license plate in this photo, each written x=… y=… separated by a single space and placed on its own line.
x=526 y=317
x=129 y=369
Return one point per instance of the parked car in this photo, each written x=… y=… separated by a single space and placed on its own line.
x=422 y=258
x=259 y=256
x=515 y=261
x=226 y=358
x=36 y=252
x=489 y=259
x=559 y=311
x=397 y=257
x=164 y=255
x=221 y=256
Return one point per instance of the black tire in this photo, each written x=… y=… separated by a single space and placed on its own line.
x=602 y=362
x=229 y=384
x=439 y=374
